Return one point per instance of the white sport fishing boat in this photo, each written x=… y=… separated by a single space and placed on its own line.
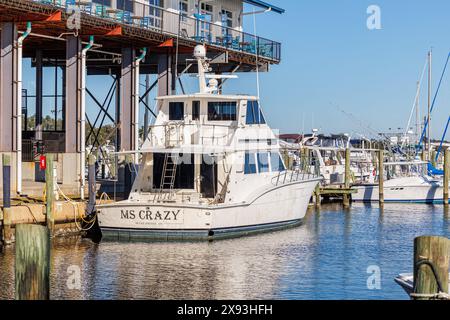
x=417 y=187
x=211 y=168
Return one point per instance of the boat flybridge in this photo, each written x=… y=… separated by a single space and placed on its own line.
x=211 y=167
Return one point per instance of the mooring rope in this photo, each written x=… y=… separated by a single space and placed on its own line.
x=440 y=294
x=77 y=214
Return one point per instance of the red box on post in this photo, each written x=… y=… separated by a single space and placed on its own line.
x=42 y=163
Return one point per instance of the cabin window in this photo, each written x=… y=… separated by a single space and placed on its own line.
x=276 y=162
x=254 y=113
x=250 y=163
x=176 y=111
x=263 y=162
x=195 y=110
x=222 y=111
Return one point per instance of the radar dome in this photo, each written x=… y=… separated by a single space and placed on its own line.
x=200 y=51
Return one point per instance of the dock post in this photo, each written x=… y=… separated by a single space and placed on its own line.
x=423 y=155
x=317 y=195
x=49 y=193
x=92 y=185
x=431 y=262
x=347 y=178
x=433 y=158
x=381 y=176
x=32 y=262
x=6 y=224
x=446 y=175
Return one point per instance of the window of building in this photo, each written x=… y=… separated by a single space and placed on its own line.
x=205 y=21
x=222 y=111
x=103 y=2
x=155 y=12
x=250 y=163
x=254 y=113
x=207 y=7
x=184 y=9
x=276 y=162
x=195 y=110
x=263 y=162
x=125 y=5
x=176 y=111
x=227 y=19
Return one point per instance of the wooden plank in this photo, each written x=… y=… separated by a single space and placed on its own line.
x=430 y=253
x=50 y=194
x=346 y=196
x=5 y=231
x=32 y=262
x=446 y=175
x=381 y=176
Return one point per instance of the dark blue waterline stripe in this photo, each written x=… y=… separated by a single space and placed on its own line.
x=250 y=227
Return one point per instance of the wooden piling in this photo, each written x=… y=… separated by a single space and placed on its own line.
x=32 y=263
x=91 y=185
x=430 y=253
x=317 y=195
x=50 y=193
x=433 y=158
x=446 y=175
x=6 y=233
x=346 y=199
x=381 y=176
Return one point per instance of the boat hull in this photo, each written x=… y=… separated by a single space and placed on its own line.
x=408 y=194
x=275 y=209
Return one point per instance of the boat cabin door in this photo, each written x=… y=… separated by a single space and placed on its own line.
x=208 y=175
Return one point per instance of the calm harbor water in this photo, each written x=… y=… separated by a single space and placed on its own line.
x=325 y=258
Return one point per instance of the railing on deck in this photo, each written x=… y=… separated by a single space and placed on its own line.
x=174 y=134
x=171 y=22
x=307 y=169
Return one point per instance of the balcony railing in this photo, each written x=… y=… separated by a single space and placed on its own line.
x=171 y=22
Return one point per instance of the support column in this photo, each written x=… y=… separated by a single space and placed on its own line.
x=128 y=109
x=166 y=75
x=71 y=158
x=39 y=100
x=7 y=96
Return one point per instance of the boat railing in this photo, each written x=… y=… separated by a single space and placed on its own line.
x=176 y=133
x=289 y=176
x=303 y=171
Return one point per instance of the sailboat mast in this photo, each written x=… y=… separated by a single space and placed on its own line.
x=418 y=113
x=429 y=105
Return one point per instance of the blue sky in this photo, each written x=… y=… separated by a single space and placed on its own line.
x=331 y=59
x=338 y=76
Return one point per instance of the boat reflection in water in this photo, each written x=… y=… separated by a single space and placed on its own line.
x=326 y=258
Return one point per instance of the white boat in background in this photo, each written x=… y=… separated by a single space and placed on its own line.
x=416 y=187
x=329 y=152
x=211 y=168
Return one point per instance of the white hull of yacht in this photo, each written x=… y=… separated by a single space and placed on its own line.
x=412 y=190
x=276 y=208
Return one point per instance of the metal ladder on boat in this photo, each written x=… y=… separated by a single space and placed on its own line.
x=168 y=176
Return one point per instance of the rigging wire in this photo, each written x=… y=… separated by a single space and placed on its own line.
x=415 y=102
x=434 y=100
